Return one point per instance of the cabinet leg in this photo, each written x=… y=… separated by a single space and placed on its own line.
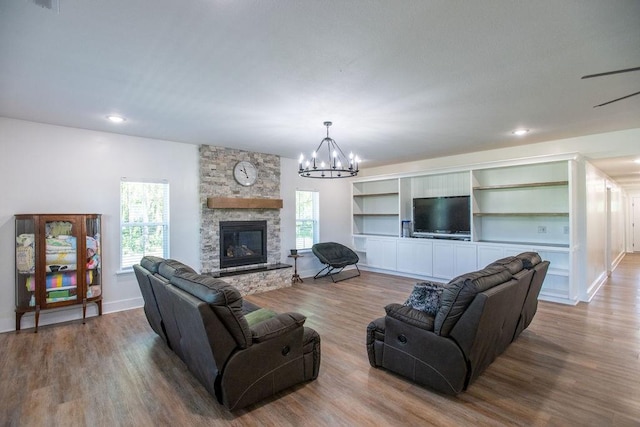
x=18 y=319
x=99 y=303
x=37 y=317
x=84 y=310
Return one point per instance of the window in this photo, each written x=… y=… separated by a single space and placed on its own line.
x=144 y=221
x=306 y=219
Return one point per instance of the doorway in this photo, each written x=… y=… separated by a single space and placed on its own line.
x=635 y=224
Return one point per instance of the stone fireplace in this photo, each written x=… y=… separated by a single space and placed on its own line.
x=216 y=180
x=243 y=243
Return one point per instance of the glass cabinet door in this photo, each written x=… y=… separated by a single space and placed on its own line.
x=61 y=260
x=26 y=250
x=93 y=266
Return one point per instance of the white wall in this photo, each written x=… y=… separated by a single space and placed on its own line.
x=596 y=267
x=611 y=144
x=55 y=169
x=335 y=213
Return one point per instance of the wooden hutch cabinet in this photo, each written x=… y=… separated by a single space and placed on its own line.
x=58 y=263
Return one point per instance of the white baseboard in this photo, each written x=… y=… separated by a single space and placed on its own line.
x=66 y=314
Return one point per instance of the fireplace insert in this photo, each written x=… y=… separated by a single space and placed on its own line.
x=243 y=243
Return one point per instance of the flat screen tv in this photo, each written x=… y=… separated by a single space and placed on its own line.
x=442 y=215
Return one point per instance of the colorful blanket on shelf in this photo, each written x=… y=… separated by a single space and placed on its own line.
x=59 y=280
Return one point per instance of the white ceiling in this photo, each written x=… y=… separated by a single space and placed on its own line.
x=400 y=80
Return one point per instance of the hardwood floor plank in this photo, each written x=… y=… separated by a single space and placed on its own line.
x=573 y=366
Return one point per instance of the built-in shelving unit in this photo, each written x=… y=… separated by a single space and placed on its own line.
x=522 y=204
x=514 y=208
x=376 y=209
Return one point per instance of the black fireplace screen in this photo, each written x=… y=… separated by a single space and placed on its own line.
x=243 y=243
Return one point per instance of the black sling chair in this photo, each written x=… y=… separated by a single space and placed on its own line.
x=335 y=257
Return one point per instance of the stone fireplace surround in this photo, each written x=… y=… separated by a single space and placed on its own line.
x=216 y=180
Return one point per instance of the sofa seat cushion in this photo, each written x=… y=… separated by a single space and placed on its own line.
x=425 y=297
x=276 y=326
x=460 y=291
x=411 y=316
x=259 y=315
x=248 y=307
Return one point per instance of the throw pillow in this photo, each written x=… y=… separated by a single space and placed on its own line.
x=425 y=297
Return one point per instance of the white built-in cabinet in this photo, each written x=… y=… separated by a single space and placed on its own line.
x=414 y=256
x=514 y=208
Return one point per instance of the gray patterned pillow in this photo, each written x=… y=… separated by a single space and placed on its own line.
x=425 y=297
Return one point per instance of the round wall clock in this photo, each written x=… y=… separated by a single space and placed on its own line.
x=245 y=173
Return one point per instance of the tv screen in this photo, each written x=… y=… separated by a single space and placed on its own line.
x=442 y=215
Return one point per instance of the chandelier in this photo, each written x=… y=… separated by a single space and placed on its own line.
x=328 y=161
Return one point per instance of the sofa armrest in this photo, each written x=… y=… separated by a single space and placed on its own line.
x=411 y=316
x=276 y=326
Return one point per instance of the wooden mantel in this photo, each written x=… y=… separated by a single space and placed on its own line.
x=242 y=203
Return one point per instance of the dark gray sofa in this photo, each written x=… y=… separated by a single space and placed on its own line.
x=239 y=352
x=479 y=315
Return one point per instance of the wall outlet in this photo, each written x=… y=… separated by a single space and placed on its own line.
x=542 y=229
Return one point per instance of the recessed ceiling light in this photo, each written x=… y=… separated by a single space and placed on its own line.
x=520 y=132
x=116 y=119
x=637 y=161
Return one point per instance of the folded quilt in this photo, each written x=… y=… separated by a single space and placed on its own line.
x=61 y=244
x=61 y=258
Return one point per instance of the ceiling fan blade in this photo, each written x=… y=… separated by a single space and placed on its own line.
x=617 y=99
x=608 y=73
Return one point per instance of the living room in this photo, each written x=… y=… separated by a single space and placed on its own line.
x=37 y=153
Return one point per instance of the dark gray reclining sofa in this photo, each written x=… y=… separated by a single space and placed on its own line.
x=479 y=315
x=239 y=352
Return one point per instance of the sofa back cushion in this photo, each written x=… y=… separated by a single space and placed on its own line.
x=459 y=293
x=529 y=259
x=511 y=263
x=151 y=263
x=170 y=267
x=223 y=299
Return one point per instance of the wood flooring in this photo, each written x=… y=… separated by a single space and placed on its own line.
x=573 y=366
